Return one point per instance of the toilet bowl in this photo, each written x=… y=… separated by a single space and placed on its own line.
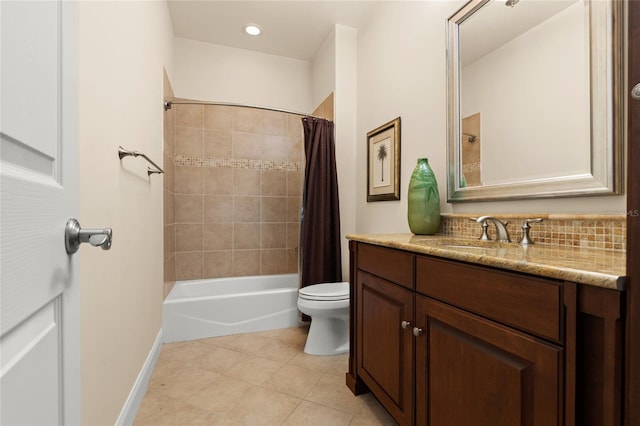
x=328 y=306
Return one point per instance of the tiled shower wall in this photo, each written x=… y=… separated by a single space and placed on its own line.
x=237 y=191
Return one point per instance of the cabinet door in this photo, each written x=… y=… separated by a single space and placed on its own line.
x=384 y=347
x=472 y=371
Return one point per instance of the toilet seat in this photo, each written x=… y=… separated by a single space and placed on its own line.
x=325 y=291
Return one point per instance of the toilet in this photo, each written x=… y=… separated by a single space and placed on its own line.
x=328 y=306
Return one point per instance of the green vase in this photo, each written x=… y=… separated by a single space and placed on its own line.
x=424 y=200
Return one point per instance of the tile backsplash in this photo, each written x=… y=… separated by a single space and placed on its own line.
x=606 y=232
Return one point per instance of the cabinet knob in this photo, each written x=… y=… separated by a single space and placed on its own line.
x=405 y=324
x=417 y=331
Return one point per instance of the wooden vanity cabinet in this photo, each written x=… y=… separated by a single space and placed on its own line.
x=385 y=351
x=442 y=342
x=482 y=357
x=473 y=371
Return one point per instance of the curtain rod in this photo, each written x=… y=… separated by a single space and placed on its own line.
x=168 y=103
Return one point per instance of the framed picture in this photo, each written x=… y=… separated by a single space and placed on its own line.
x=383 y=162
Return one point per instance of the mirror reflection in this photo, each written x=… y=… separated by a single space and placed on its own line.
x=524 y=87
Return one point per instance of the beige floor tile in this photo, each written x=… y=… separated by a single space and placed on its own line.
x=313 y=362
x=220 y=395
x=278 y=350
x=339 y=365
x=227 y=342
x=250 y=343
x=184 y=382
x=293 y=380
x=331 y=391
x=181 y=351
x=157 y=410
x=262 y=406
x=163 y=371
x=294 y=335
x=254 y=370
x=312 y=414
x=253 y=379
x=218 y=360
x=272 y=334
x=371 y=413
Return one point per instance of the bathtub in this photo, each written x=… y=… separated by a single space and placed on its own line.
x=198 y=309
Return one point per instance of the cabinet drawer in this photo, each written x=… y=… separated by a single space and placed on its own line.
x=393 y=265
x=528 y=303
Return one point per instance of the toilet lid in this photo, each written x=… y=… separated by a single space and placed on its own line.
x=326 y=291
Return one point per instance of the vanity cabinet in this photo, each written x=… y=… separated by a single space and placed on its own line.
x=383 y=342
x=442 y=342
x=473 y=371
x=385 y=349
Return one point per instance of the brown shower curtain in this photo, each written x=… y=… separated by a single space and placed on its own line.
x=320 y=259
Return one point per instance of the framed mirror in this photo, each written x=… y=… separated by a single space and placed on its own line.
x=536 y=99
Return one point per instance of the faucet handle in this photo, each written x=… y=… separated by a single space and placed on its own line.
x=485 y=226
x=526 y=239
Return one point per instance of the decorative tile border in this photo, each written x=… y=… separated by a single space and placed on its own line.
x=605 y=232
x=471 y=167
x=233 y=163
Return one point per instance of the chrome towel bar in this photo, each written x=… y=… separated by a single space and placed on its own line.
x=122 y=152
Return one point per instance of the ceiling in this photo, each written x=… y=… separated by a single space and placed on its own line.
x=295 y=29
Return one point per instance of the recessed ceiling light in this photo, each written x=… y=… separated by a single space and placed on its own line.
x=252 y=29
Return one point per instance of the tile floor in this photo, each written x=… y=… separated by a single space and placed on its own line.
x=260 y=378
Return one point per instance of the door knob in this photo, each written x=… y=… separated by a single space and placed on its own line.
x=417 y=331
x=74 y=235
x=635 y=92
x=405 y=324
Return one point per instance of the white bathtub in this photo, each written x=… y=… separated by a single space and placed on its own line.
x=199 y=309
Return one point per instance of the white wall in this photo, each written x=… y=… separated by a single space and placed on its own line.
x=402 y=72
x=211 y=72
x=323 y=70
x=345 y=99
x=123 y=47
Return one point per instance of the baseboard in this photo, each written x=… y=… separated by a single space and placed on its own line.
x=132 y=404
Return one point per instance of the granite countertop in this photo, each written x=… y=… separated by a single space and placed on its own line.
x=601 y=268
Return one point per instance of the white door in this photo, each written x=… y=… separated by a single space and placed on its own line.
x=39 y=306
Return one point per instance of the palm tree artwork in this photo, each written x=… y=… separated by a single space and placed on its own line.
x=382 y=154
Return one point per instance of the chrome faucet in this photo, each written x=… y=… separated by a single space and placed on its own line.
x=501 y=228
x=526 y=239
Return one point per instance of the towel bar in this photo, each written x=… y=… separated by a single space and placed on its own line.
x=122 y=152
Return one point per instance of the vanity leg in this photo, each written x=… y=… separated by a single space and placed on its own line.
x=353 y=381
x=356 y=385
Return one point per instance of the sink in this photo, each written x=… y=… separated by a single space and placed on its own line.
x=454 y=243
x=462 y=246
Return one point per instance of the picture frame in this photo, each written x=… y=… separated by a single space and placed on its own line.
x=383 y=162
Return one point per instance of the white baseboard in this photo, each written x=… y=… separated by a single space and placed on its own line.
x=132 y=404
